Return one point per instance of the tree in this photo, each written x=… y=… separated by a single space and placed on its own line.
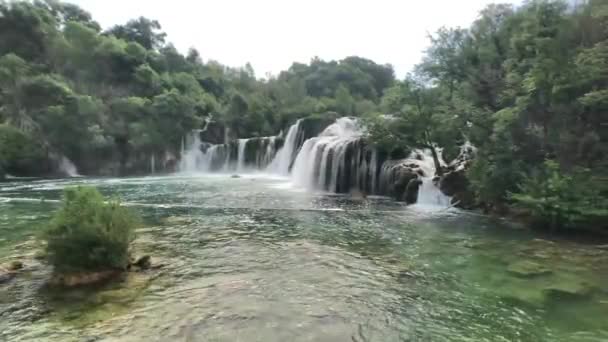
x=143 y=31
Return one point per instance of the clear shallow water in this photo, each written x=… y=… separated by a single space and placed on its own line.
x=250 y=259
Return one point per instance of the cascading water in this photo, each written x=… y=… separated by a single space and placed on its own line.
x=239 y=156
x=428 y=192
x=321 y=159
x=152 y=164
x=337 y=160
x=285 y=156
x=192 y=157
x=242 y=144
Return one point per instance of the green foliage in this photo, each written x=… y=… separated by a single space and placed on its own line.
x=115 y=97
x=20 y=154
x=88 y=234
x=559 y=200
x=522 y=85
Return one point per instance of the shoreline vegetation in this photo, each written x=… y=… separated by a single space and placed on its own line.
x=526 y=86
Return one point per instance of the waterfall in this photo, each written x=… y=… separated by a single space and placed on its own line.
x=152 y=164
x=235 y=156
x=428 y=192
x=242 y=144
x=337 y=160
x=68 y=168
x=192 y=158
x=322 y=159
x=430 y=195
x=285 y=156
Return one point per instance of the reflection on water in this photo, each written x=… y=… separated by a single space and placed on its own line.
x=251 y=259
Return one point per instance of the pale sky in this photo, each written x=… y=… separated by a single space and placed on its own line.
x=271 y=34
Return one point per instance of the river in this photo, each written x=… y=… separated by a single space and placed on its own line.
x=255 y=259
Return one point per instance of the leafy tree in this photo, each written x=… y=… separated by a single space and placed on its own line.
x=143 y=31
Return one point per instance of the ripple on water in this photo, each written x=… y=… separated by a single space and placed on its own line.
x=248 y=260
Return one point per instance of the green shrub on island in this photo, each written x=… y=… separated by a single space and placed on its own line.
x=89 y=234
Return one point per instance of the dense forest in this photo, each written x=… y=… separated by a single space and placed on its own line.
x=527 y=86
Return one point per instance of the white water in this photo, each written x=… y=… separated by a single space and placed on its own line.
x=333 y=161
x=327 y=150
x=284 y=157
x=152 y=164
x=192 y=158
x=68 y=168
x=429 y=193
x=240 y=166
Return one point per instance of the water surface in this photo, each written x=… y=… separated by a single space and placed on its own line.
x=252 y=259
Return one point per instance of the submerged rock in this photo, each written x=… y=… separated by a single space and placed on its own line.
x=572 y=290
x=174 y=220
x=6 y=275
x=235 y=176
x=527 y=269
x=9 y=271
x=83 y=278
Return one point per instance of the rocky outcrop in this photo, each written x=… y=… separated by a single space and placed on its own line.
x=454 y=181
x=401 y=179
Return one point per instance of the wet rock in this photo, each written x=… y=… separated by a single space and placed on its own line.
x=527 y=269
x=83 y=278
x=143 y=263
x=14 y=266
x=411 y=191
x=235 y=176
x=403 y=176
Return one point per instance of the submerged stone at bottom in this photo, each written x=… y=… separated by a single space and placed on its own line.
x=83 y=278
x=527 y=269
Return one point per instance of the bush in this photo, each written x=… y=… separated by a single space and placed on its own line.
x=558 y=200
x=88 y=234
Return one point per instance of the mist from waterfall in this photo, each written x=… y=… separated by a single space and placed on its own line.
x=68 y=168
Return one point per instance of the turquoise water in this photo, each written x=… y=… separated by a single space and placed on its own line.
x=252 y=259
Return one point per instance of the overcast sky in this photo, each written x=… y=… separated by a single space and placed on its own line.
x=271 y=34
